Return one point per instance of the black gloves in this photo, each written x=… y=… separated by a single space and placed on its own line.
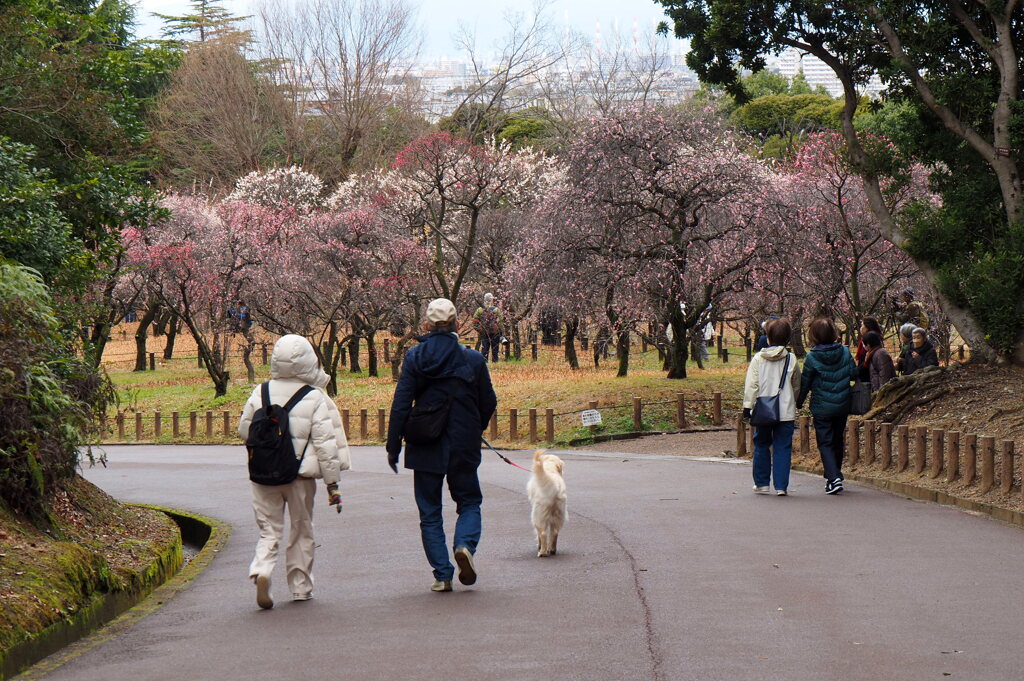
x=393 y=461
x=746 y=414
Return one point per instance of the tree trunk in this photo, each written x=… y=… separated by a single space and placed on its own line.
x=172 y=335
x=140 y=335
x=622 y=351
x=250 y=343
x=353 y=355
x=571 y=327
x=371 y=348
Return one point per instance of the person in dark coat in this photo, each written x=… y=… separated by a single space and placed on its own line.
x=877 y=361
x=828 y=370
x=920 y=353
x=868 y=325
x=438 y=371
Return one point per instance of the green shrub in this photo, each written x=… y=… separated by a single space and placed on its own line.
x=49 y=398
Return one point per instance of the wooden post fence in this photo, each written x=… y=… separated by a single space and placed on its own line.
x=938 y=452
x=970 y=458
x=903 y=448
x=1006 y=476
x=741 y=436
x=138 y=425
x=681 y=410
x=988 y=463
x=157 y=424
x=952 y=455
x=152 y=361
x=227 y=423
x=853 y=441
x=382 y=432
x=533 y=425
x=209 y=423
x=364 y=424
x=175 y=428
x=716 y=409
x=869 y=442
x=592 y=405
x=886 y=437
x=513 y=424
x=637 y=414
x=494 y=426
x=920 y=448
x=120 y=425
x=192 y=418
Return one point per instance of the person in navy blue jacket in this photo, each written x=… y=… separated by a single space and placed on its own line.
x=437 y=372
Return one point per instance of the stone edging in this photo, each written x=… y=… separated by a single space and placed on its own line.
x=112 y=614
x=1005 y=515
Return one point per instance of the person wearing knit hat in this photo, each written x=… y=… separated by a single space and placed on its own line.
x=442 y=404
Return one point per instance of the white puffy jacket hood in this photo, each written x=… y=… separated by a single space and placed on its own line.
x=314 y=423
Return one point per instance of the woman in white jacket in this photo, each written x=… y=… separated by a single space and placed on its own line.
x=773 y=444
x=319 y=439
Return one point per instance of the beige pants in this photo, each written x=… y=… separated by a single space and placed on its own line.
x=268 y=503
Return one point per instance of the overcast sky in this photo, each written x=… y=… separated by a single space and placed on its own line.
x=440 y=18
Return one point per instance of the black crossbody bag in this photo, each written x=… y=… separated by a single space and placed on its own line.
x=426 y=422
x=766 y=409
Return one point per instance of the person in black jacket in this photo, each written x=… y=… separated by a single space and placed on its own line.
x=920 y=353
x=446 y=381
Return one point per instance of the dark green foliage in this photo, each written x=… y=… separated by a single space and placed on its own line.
x=49 y=399
x=33 y=230
x=971 y=243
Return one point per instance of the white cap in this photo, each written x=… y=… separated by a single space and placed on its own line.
x=441 y=311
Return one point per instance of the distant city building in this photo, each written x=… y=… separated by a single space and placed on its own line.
x=817 y=72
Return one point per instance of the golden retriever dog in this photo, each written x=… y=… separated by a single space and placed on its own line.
x=546 y=491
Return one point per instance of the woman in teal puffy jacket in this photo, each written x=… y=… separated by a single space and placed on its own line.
x=828 y=371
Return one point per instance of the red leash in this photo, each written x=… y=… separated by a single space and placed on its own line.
x=505 y=459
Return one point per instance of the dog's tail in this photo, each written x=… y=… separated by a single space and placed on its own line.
x=538 y=464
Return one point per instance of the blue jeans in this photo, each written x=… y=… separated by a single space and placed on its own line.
x=773 y=452
x=464 y=487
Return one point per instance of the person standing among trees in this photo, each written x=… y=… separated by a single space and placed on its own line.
x=868 y=325
x=828 y=370
x=877 y=362
x=317 y=440
x=773 y=371
x=911 y=311
x=919 y=353
x=442 y=404
x=487 y=321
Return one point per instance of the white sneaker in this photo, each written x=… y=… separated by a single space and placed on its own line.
x=761 y=489
x=263 y=598
x=302 y=597
x=781 y=493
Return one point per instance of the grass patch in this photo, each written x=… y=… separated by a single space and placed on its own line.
x=179 y=385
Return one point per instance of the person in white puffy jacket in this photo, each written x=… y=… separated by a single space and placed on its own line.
x=773 y=443
x=316 y=428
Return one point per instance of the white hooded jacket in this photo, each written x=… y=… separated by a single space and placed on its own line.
x=764 y=375
x=314 y=420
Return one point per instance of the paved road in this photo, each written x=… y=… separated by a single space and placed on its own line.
x=668 y=569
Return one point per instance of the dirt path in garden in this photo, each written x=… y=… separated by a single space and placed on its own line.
x=668 y=569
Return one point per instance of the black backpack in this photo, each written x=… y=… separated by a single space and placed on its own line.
x=272 y=458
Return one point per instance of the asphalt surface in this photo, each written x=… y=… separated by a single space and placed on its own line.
x=667 y=569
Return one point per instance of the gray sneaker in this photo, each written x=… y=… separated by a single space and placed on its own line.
x=441 y=585
x=781 y=493
x=761 y=489
x=464 y=559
